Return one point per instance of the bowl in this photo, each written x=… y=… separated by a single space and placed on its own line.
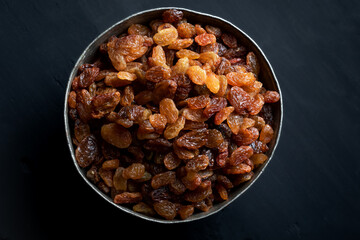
x=267 y=76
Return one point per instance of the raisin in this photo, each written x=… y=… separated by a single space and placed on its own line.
x=223 y=86
x=158 y=145
x=181 y=43
x=158 y=56
x=199 y=30
x=83 y=105
x=213 y=30
x=119 y=182
x=202 y=192
x=104 y=103
x=241 y=178
x=198 y=163
x=72 y=99
x=180 y=67
x=186 y=30
x=246 y=136
x=210 y=57
x=136 y=152
x=205 y=39
x=221 y=159
x=158 y=121
x=240 y=155
x=212 y=82
x=134 y=171
x=271 y=96
x=258 y=159
x=126 y=76
x=193 y=139
x=192 y=180
x=210 y=48
x=239 y=99
x=198 y=102
x=235 y=52
x=183 y=153
x=143 y=208
x=177 y=187
x=234 y=122
x=166 y=36
x=187 y=53
x=146 y=127
x=172 y=15
x=116 y=135
x=163 y=179
x=229 y=40
x=238 y=169
x=102 y=186
x=142 y=136
x=171 y=161
x=113 y=80
x=144 y=97
x=139 y=29
x=256 y=104
x=168 y=108
x=184 y=86
x=186 y=211
x=154 y=24
x=166 y=209
x=203 y=205
x=131 y=47
x=88 y=76
x=259 y=122
x=223 y=114
x=164 y=89
x=87 y=152
x=224 y=67
x=222 y=49
x=214 y=138
x=93 y=175
x=266 y=134
x=215 y=105
x=197 y=75
x=190 y=125
x=259 y=147
x=157 y=73
x=195 y=115
x=160 y=194
x=225 y=181
x=127 y=197
x=240 y=79
x=222 y=191
x=252 y=63
x=81 y=130
x=173 y=130
x=111 y=164
x=127 y=97
x=266 y=114
x=106 y=176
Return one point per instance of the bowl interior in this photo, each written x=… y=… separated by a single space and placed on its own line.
x=267 y=77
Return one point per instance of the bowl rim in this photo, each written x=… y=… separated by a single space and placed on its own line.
x=106 y=197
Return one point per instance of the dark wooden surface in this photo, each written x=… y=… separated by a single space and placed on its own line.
x=311 y=189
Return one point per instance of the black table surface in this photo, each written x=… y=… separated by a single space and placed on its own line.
x=310 y=190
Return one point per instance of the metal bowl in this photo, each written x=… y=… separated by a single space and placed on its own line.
x=267 y=76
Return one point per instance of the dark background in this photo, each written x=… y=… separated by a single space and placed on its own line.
x=310 y=190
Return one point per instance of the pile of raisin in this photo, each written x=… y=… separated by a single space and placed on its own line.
x=171 y=117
